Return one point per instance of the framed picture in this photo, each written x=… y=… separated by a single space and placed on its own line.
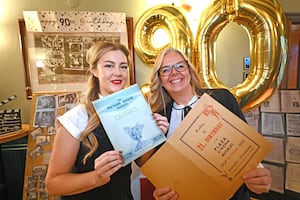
x=246 y=63
x=66 y=64
x=245 y=75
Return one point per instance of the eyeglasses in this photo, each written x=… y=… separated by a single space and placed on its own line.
x=180 y=67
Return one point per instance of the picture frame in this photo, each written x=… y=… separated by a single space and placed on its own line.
x=246 y=63
x=29 y=82
x=40 y=141
x=245 y=75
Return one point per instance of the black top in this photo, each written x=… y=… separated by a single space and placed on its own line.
x=224 y=97
x=119 y=186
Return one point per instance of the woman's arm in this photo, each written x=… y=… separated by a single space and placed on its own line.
x=257 y=180
x=61 y=181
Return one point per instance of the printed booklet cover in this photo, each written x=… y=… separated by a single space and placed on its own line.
x=209 y=151
x=127 y=119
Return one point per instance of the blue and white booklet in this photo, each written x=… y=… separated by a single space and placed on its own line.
x=128 y=121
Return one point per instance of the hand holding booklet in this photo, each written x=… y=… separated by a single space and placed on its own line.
x=207 y=155
x=127 y=119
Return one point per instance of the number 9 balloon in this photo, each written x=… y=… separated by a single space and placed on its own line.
x=263 y=20
x=167 y=18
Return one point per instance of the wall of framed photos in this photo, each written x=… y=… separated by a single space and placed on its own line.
x=278 y=120
x=45 y=108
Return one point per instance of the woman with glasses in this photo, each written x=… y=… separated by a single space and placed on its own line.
x=174 y=90
x=83 y=163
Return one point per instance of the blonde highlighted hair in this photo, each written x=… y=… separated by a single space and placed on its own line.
x=158 y=96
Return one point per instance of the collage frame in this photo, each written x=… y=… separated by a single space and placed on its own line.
x=26 y=62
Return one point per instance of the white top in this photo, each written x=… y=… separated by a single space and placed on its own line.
x=75 y=120
x=176 y=115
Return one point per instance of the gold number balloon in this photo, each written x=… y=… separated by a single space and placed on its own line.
x=172 y=21
x=263 y=20
x=265 y=24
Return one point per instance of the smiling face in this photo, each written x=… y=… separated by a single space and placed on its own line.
x=112 y=72
x=176 y=83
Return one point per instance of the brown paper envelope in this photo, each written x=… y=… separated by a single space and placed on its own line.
x=171 y=169
x=210 y=151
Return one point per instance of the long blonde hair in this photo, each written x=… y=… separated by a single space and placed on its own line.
x=92 y=90
x=158 y=96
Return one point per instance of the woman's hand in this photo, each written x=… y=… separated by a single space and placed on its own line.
x=165 y=193
x=258 y=180
x=162 y=122
x=106 y=165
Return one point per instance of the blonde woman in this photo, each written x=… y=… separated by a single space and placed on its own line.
x=83 y=163
x=174 y=90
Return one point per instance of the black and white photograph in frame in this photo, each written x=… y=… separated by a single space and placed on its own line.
x=45 y=112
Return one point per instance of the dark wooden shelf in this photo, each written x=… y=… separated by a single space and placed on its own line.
x=7 y=137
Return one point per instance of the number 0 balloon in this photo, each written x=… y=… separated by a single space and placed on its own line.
x=263 y=20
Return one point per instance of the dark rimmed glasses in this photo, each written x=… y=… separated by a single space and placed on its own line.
x=179 y=67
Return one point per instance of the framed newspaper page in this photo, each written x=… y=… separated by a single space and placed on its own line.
x=54 y=45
